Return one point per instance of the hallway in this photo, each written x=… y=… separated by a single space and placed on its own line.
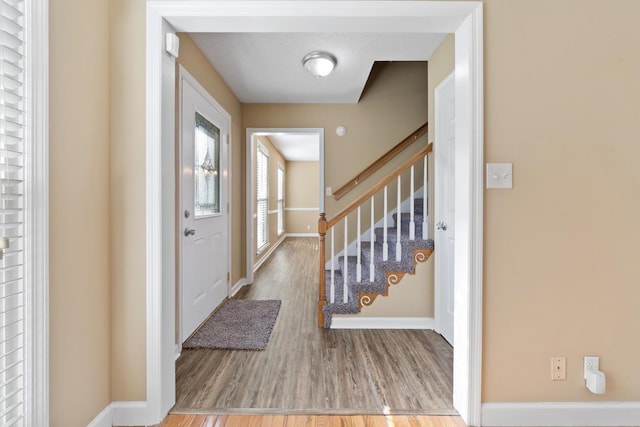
x=310 y=370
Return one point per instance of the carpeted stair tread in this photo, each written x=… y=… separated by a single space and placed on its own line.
x=392 y=234
x=378 y=284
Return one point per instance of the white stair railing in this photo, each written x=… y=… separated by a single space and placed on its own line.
x=372 y=237
x=407 y=172
x=399 y=223
x=358 y=252
x=345 y=271
x=425 y=230
x=412 y=224
x=385 y=245
x=333 y=256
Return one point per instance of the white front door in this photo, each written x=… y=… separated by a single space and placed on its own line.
x=203 y=207
x=445 y=139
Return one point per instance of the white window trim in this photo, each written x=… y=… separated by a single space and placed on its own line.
x=260 y=148
x=278 y=200
x=37 y=210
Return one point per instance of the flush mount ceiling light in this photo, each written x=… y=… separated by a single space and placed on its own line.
x=320 y=64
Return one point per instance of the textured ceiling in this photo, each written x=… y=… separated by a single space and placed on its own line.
x=297 y=147
x=267 y=67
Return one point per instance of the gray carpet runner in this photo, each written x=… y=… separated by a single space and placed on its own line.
x=379 y=284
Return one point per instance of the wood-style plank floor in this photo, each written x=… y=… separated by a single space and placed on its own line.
x=312 y=421
x=309 y=370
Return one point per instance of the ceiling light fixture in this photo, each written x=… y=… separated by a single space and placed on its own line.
x=320 y=64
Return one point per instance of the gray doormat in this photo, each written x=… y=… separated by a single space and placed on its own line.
x=238 y=325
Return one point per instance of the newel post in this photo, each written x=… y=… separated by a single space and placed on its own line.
x=322 y=288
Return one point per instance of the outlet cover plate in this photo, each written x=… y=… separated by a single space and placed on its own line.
x=558 y=368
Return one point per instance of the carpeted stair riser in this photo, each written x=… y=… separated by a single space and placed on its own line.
x=407 y=262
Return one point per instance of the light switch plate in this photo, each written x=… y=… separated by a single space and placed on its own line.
x=500 y=175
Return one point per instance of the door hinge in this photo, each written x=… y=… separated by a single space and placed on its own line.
x=228 y=276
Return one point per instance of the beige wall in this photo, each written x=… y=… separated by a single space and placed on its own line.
x=80 y=373
x=560 y=252
x=373 y=125
x=127 y=209
x=412 y=297
x=275 y=160
x=301 y=192
x=560 y=273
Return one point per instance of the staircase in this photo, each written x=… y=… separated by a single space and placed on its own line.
x=386 y=272
x=356 y=279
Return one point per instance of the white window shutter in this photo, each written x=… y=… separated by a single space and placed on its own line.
x=12 y=292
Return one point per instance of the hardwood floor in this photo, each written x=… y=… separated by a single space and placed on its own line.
x=311 y=421
x=309 y=370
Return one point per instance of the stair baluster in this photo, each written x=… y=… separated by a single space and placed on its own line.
x=358 y=251
x=345 y=272
x=425 y=229
x=398 y=224
x=412 y=224
x=385 y=245
x=373 y=239
x=332 y=297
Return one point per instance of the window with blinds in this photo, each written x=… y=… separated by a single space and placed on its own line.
x=12 y=285
x=280 y=200
x=262 y=198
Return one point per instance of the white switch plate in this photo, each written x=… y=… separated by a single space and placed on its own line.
x=500 y=175
x=328 y=191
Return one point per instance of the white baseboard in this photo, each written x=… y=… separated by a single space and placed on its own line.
x=267 y=254
x=178 y=351
x=356 y=322
x=302 y=234
x=130 y=413
x=103 y=419
x=235 y=288
x=585 y=414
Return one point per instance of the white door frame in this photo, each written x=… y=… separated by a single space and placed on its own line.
x=184 y=74
x=250 y=158
x=464 y=19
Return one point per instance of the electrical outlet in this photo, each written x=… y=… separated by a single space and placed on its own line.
x=558 y=368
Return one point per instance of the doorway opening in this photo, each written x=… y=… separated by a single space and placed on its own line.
x=463 y=19
x=300 y=154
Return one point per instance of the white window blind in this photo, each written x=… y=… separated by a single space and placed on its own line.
x=280 y=200
x=12 y=292
x=262 y=198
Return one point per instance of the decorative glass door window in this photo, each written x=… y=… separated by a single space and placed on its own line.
x=207 y=168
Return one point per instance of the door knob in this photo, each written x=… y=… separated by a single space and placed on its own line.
x=441 y=226
x=189 y=232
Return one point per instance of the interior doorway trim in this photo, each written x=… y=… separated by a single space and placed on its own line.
x=250 y=158
x=464 y=19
